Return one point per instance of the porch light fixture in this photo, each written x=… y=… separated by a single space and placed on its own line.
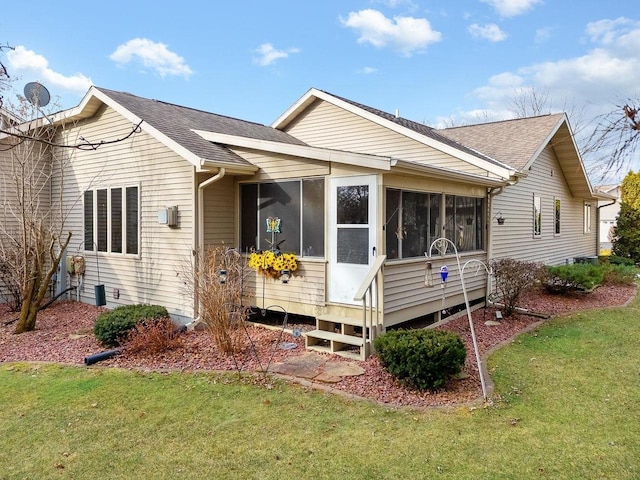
x=499 y=218
x=222 y=276
x=285 y=275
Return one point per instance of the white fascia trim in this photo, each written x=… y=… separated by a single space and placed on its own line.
x=451 y=174
x=303 y=151
x=307 y=98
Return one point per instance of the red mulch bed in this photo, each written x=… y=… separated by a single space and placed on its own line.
x=63 y=335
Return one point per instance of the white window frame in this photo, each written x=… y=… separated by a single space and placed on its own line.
x=586 y=217
x=94 y=246
x=537 y=212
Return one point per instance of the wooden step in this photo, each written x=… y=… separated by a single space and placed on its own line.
x=356 y=322
x=336 y=343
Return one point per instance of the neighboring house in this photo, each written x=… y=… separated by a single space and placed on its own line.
x=609 y=210
x=361 y=194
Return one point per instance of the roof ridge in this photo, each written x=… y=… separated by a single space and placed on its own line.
x=506 y=120
x=182 y=106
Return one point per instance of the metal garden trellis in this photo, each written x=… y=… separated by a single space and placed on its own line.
x=441 y=245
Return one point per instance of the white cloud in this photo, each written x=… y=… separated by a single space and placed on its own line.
x=153 y=55
x=512 y=8
x=489 y=32
x=267 y=54
x=28 y=63
x=543 y=35
x=404 y=34
x=368 y=70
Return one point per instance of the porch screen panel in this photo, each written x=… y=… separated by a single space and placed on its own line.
x=480 y=224
x=116 y=220
x=280 y=200
x=392 y=224
x=435 y=230
x=313 y=218
x=88 y=220
x=465 y=223
x=102 y=220
x=353 y=246
x=249 y=216
x=415 y=224
x=132 y=216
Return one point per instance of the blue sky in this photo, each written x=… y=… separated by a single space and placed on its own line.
x=439 y=62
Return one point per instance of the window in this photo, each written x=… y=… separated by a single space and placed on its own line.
x=556 y=216
x=299 y=205
x=413 y=222
x=464 y=222
x=537 y=216
x=111 y=220
x=587 y=217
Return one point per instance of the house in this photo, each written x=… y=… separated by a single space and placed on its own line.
x=361 y=196
x=549 y=214
x=609 y=211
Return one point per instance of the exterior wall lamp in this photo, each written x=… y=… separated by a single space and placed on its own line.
x=222 y=276
x=285 y=275
x=499 y=218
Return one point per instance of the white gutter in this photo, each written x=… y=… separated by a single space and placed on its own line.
x=199 y=247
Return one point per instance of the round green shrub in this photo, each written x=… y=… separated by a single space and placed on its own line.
x=422 y=359
x=113 y=326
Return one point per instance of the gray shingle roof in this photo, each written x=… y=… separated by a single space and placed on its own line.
x=176 y=122
x=513 y=142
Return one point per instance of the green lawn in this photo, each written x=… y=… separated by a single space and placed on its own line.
x=569 y=409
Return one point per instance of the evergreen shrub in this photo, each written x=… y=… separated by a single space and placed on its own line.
x=112 y=327
x=421 y=359
x=571 y=278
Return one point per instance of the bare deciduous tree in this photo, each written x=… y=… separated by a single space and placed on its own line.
x=615 y=139
x=33 y=237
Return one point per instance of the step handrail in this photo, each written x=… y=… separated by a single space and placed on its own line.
x=371 y=276
x=374 y=278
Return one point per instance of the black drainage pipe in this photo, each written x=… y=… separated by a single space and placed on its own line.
x=98 y=357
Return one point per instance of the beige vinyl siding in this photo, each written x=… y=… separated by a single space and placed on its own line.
x=515 y=238
x=275 y=166
x=304 y=294
x=326 y=125
x=406 y=296
x=164 y=179
x=219 y=217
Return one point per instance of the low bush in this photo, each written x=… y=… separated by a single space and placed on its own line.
x=155 y=337
x=616 y=260
x=111 y=328
x=571 y=278
x=620 y=274
x=512 y=277
x=421 y=359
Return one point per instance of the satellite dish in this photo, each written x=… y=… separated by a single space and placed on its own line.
x=37 y=94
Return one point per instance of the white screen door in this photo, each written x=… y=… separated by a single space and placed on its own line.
x=352 y=235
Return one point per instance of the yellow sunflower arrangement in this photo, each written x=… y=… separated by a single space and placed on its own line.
x=271 y=264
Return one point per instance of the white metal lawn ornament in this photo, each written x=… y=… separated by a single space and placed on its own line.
x=441 y=244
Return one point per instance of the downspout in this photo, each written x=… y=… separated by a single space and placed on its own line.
x=200 y=244
x=493 y=192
